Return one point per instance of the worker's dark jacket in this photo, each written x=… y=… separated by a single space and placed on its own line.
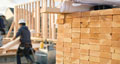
x=24 y=34
x=2 y=26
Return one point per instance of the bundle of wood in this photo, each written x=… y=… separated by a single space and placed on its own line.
x=89 y=37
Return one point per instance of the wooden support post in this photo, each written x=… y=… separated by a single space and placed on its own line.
x=29 y=15
x=26 y=16
x=24 y=11
x=50 y=28
x=18 y=12
x=42 y=3
x=53 y=21
x=33 y=18
x=53 y=25
x=21 y=12
x=41 y=19
x=32 y=15
x=38 y=18
x=15 y=20
x=45 y=21
x=10 y=30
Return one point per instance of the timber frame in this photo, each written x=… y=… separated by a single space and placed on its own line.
x=39 y=16
x=40 y=19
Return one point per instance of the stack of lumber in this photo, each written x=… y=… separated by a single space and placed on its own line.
x=91 y=37
x=12 y=46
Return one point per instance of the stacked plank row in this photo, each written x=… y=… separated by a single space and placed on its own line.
x=89 y=37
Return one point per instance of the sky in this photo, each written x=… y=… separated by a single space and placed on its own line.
x=4 y=4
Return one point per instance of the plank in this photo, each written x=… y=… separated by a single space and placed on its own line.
x=10 y=30
x=38 y=18
x=10 y=44
x=45 y=21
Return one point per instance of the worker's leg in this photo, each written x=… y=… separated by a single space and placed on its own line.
x=1 y=38
x=29 y=58
x=18 y=57
x=27 y=55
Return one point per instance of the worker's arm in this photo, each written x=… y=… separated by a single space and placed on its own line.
x=17 y=34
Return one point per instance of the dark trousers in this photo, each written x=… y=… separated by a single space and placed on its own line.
x=24 y=52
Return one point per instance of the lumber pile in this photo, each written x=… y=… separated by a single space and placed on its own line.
x=91 y=37
x=12 y=46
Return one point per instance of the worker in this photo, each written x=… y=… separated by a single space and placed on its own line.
x=25 y=39
x=2 y=31
x=5 y=22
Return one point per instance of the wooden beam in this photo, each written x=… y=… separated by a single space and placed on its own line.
x=24 y=13
x=36 y=14
x=50 y=26
x=15 y=14
x=41 y=39
x=33 y=18
x=10 y=44
x=53 y=21
x=19 y=13
x=38 y=18
x=41 y=18
x=30 y=16
x=10 y=54
x=17 y=18
x=10 y=30
x=27 y=16
x=45 y=21
x=53 y=26
x=51 y=10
